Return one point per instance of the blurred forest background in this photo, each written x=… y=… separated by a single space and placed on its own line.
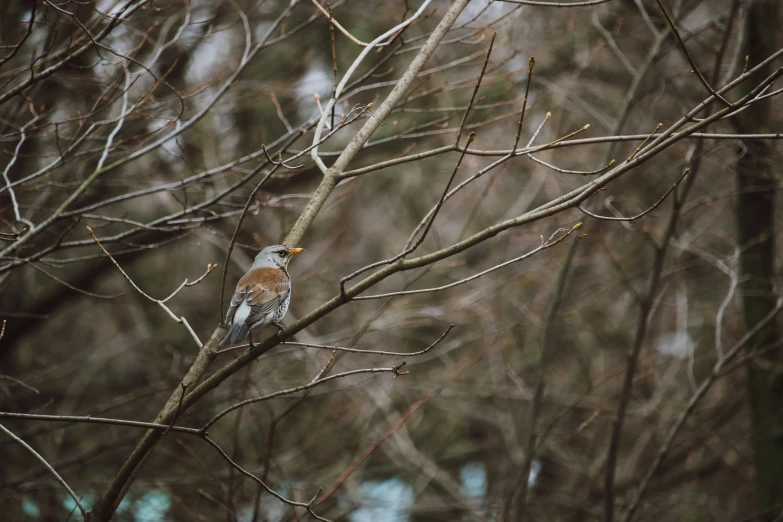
x=626 y=369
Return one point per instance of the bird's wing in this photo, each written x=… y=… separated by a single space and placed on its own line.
x=236 y=300
x=263 y=289
x=265 y=304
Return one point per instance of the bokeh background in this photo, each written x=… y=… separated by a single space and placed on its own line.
x=451 y=439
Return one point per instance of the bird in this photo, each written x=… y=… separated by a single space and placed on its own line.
x=262 y=295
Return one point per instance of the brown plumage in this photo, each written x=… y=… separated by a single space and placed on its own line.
x=261 y=288
x=262 y=295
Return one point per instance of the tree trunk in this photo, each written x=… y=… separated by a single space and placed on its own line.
x=756 y=238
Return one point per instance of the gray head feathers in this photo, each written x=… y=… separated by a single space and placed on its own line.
x=275 y=256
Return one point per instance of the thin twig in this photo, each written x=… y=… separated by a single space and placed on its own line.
x=236 y=231
x=326 y=366
x=342 y=29
x=352 y=350
x=14 y=156
x=613 y=45
x=413 y=243
x=573 y=172
x=49 y=467
x=534 y=441
x=400 y=87
x=690 y=58
x=497 y=162
x=184 y=387
x=635 y=152
x=278 y=496
x=334 y=57
x=689 y=409
x=544 y=245
x=181 y=320
x=68 y=285
x=642 y=324
x=279 y=110
x=14 y=379
x=475 y=90
x=531 y=63
x=641 y=214
x=296 y=389
x=87 y=419
x=5 y=236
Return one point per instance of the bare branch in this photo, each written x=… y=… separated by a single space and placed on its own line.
x=49 y=467
x=691 y=406
x=690 y=58
x=537 y=3
x=552 y=241
x=644 y=213
x=159 y=302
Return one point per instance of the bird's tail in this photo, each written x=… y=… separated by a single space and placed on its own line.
x=235 y=335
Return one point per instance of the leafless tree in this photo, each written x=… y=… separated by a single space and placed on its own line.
x=522 y=212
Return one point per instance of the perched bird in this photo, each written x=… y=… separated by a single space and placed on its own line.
x=262 y=295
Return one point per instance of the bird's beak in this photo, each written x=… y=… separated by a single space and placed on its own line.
x=295 y=251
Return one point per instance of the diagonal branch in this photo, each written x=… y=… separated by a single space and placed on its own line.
x=700 y=393
x=690 y=58
x=332 y=175
x=116 y=490
x=160 y=302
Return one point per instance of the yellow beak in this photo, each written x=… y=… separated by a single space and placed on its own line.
x=295 y=251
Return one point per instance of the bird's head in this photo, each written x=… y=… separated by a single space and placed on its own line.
x=276 y=256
